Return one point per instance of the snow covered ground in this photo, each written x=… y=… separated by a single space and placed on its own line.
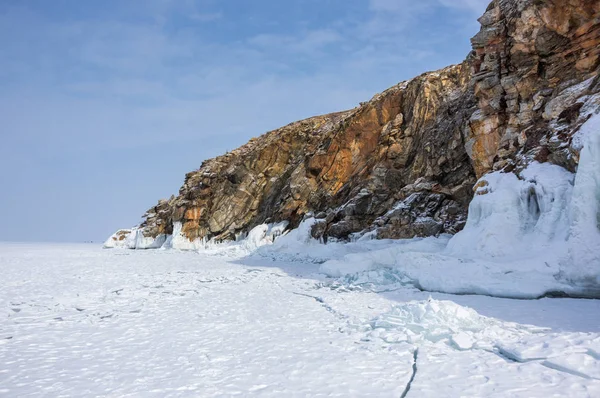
x=82 y=321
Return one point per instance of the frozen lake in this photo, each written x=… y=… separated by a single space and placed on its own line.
x=78 y=320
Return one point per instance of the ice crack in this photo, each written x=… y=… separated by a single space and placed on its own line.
x=414 y=373
x=564 y=369
x=323 y=304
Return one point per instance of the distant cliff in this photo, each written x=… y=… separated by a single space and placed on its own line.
x=404 y=163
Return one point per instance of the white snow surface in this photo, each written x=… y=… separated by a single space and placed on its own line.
x=82 y=321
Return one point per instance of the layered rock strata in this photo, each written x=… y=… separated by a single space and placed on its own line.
x=404 y=163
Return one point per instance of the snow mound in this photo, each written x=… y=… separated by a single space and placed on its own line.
x=123 y=238
x=430 y=320
x=445 y=322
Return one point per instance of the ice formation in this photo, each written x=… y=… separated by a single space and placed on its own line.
x=583 y=265
x=134 y=239
x=527 y=235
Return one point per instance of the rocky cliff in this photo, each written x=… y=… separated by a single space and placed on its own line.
x=404 y=164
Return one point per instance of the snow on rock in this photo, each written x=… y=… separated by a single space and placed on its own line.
x=590 y=110
x=261 y=235
x=123 y=238
x=134 y=239
x=298 y=244
x=264 y=234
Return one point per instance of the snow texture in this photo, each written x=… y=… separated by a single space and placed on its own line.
x=81 y=321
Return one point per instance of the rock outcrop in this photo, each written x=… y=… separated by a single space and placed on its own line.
x=404 y=163
x=533 y=64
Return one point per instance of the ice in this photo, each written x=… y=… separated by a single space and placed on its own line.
x=591 y=111
x=148 y=242
x=264 y=234
x=514 y=218
x=580 y=364
x=462 y=340
x=545 y=345
x=584 y=232
x=81 y=321
x=181 y=242
x=429 y=320
x=172 y=323
x=439 y=328
x=134 y=239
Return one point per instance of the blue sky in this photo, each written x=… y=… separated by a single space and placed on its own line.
x=105 y=105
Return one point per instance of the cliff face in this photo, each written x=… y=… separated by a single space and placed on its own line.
x=404 y=163
x=348 y=168
x=528 y=61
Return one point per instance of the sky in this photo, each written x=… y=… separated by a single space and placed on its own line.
x=106 y=104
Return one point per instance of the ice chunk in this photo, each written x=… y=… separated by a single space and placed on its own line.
x=462 y=340
x=430 y=320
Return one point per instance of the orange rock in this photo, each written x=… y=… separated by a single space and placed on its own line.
x=444 y=129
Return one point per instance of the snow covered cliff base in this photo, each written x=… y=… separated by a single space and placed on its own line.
x=528 y=234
